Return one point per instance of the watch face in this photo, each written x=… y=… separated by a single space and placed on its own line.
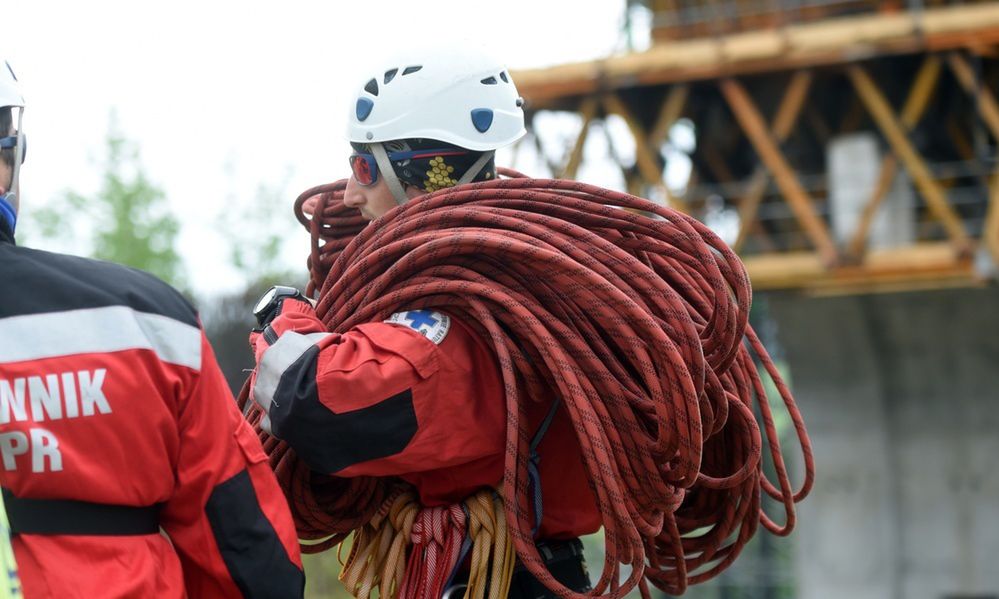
x=265 y=300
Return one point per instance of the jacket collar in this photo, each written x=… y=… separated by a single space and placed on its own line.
x=6 y=233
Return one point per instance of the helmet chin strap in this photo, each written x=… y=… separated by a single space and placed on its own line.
x=476 y=168
x=388 y=173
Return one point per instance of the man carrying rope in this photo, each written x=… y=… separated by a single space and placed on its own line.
x=419 y=396
x=494 y=367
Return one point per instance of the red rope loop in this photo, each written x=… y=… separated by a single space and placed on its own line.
x=635 y=315
x=437 y=537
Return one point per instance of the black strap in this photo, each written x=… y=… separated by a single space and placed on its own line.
x=565 y=561
x=553 y=552
x=69 y=517
x=533 y=469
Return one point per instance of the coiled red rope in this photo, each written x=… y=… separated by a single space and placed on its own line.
x=639 y=324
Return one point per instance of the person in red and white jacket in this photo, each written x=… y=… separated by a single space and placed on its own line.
x=418 y=396
x=128 y=470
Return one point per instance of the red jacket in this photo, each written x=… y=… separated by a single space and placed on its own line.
x=110 y=396
x=418 y=397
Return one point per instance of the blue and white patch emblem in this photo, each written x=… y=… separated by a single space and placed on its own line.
x=431 y=324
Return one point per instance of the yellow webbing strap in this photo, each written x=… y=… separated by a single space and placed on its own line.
x=378 y=554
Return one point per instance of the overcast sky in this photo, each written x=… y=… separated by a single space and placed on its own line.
x=225 y=96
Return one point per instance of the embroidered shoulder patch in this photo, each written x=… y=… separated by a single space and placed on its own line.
x=431 y=324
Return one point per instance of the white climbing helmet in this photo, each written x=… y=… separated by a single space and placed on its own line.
x=459 y=95
x=10 y=90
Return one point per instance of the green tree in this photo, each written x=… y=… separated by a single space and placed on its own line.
x=258 y=227
x=267 y=246
x=127 y=220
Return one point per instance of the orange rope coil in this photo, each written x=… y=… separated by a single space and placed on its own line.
x=639 y=324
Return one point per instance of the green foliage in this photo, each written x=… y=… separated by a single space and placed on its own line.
x=127 y=220
x=321 y=572
x=258 y=228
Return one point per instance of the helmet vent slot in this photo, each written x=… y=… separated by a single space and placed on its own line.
x=412 y=69
x=489 y=81
x=504 y=77
x=390 y=75
x=372 y=87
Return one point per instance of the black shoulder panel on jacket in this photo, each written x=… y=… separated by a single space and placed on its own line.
x=329 y=442
x=38 y=282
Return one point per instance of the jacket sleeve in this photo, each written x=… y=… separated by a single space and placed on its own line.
x=227 y=518
x=382 y=399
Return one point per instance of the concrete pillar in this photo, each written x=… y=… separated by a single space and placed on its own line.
x=901 y=396
x=853 y=163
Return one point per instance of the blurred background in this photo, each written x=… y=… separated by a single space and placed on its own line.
x=846 y=149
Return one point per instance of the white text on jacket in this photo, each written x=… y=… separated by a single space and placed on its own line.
x=40 y=398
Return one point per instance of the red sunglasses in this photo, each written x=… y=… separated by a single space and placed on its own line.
x=365 y=168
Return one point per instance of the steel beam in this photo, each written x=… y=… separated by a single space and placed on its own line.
x=894 y=132
x=787 y=115
x=915 y=106
x=984 y=99
x=669 y=113
x=800 y=202
x=587 y=110
x=645 y=160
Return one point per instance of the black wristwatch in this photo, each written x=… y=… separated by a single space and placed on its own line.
x=268 y=305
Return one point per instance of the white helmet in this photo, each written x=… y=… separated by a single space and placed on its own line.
x=457 y=95
x=10 y=90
